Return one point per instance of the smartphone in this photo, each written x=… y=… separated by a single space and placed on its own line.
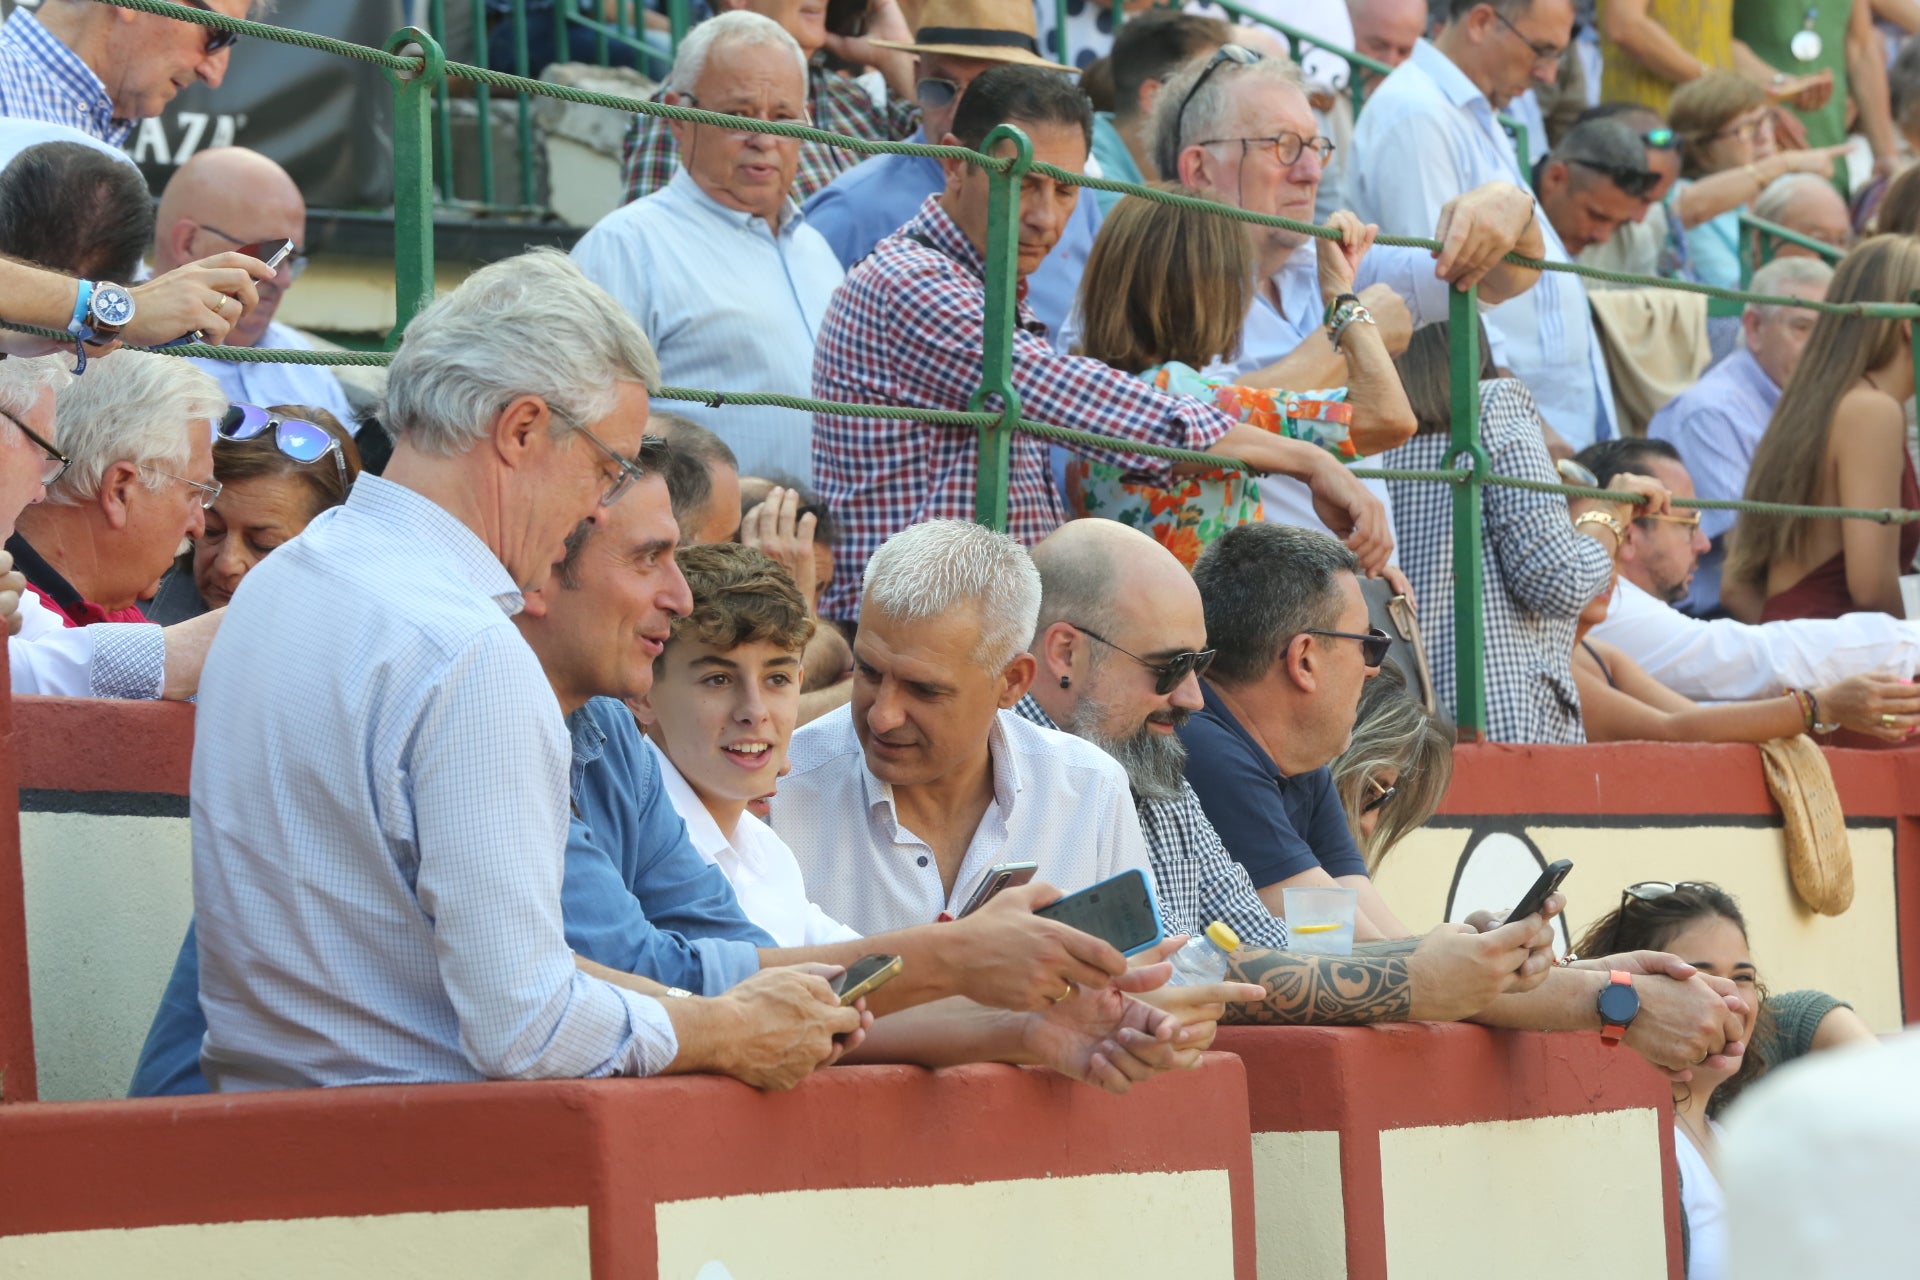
x=275 y=252
x=1120 y=911
x=863 y=976
x=1543 y=888
x=1008 y=875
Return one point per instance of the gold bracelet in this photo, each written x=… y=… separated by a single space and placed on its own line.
x=1609 y=521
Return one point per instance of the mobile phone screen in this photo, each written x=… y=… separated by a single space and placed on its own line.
x=1119 y=911
x=860 y=972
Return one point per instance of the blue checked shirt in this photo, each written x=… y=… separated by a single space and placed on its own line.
x=379 y=821
x=42 y=79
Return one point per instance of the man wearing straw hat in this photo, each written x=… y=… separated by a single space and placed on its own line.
x=956 y=41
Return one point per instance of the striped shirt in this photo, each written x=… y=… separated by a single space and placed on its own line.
x=42 y=79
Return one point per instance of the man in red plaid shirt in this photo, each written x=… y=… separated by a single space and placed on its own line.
x=907 y=328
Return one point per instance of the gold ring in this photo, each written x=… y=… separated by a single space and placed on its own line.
x=1886 y=719
x=1064 y=994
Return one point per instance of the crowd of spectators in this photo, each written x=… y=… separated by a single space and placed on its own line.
x=687 y=711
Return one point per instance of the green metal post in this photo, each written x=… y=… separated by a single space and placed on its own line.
x=991 y=469
x=1293 y=47
x=1913 y=336
x=413 y=175
x=562 y=37
x=564 y=52
x=1060 y=33
x=1469 y=624
x=677 y=22
x=521 y=59
x=442 y=117
x=483 y=104
x=1119 y=16
x=1521 y=150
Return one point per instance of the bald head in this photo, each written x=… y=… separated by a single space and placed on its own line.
x=1094 y=572
x=220 y=200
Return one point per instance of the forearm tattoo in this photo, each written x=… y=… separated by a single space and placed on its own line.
x=1308 y=990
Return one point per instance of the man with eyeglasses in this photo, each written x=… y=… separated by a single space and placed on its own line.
x=745 y=320
x=231 y=198
x=1430 y=133
x=957 y=40
x=102 y=70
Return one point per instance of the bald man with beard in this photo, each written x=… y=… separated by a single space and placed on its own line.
x=230 y=198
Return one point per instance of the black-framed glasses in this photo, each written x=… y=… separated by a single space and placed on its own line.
x=935 y=93
x=1238 y=54
x=1167 y=675
x=299 y=439
x=292 y=266
x=1654 y=890
x=56 y=463
x=1373 y=645
x=1381 y=794
x=1661 y=139
x=209 y=490
x=1544 y=55
x=630 y=470
x=1286 y=147
x=216 y=40
x=1633 y=182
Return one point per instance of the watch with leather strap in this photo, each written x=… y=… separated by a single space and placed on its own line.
x=1619 y=1006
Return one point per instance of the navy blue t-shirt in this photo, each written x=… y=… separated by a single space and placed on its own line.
x=1274 y=826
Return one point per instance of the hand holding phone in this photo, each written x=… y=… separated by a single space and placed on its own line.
x=1007 y=875
x=863 y=976
x=1120 y=911
x=1536 y=897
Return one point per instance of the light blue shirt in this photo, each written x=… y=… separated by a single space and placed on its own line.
x=729 y=305
x=1429 y=135
x=1116 y=162
x=252 y=382
x=880 y=195
x=380 y=817
x=1714 y=246
x=1716 y=424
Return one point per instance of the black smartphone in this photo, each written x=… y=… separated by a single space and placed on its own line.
x=863 y=976
x=1120 y=911
x=1543 y=888
x=1008 y=875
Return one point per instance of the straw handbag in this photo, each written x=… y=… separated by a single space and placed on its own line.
x=1818 y=855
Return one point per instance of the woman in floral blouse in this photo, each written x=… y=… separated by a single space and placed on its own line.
x=1165 y=294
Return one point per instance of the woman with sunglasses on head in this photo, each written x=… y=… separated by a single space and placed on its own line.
x=1397 y=768
x=278 y=468
x=1702 y=924
x=1727 y=158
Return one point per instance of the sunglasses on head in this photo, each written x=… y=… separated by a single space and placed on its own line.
x=1168 y=674
x=1661 y=139
x=1633 y=182
x=304 y=442
x=1234 y=53
x=1381 y=794
x=1654 y=890
x=1373 y=645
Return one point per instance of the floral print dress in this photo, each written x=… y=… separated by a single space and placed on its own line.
x=1199 y=508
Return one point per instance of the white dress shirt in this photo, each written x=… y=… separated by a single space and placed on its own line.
x=263 y=384
x=729 y=305
x=1726 y=661
x=105 y=660
x=379 y=824
x=1057 y=801
x=764 y=873
x=1429 y=135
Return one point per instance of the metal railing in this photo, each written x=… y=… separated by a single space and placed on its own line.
x=416 y=68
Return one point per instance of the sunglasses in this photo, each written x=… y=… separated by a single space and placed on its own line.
x=1379 y=798
x=1373 y=645
x=1167 y=675
x=935 y=94
x=1234 y=53
x=56 y=463
x=1662 y=139
x=1654 y=890
x=1576 y=474
x=1634 y=182
x=216 y=40
x=304 y=442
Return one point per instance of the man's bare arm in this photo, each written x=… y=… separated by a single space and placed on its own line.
x=1310 y=991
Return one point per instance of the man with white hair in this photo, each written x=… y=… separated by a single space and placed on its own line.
x=1809 y=204
x=728 y=326
x=898 y=805
x=403 y=854
x=139 y=431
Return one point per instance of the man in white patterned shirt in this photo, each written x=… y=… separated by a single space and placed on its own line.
x=379 y=831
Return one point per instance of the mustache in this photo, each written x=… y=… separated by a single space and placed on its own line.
x=1172 y=717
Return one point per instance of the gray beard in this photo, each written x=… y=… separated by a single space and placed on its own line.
x=1156 y=763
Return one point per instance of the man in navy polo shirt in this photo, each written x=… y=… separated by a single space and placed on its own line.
x=1285 y=613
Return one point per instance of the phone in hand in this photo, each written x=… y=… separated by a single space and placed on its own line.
x=1120 y=911
x=863 y=976
x=274 y=252
x=1543 y=888
x=1007 y=875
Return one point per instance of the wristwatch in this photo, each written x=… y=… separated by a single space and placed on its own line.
x=1608 y=519
x=1619 y=1006
x=1344 y=312
x=100 y=311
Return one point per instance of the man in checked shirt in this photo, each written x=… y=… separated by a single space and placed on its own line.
x=908 y=328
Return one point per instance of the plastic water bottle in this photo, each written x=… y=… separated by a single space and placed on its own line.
x=1204 y=959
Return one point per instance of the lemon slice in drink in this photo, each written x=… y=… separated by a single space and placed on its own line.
x=1312 y=928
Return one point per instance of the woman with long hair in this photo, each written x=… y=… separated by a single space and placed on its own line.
x=1395 y=770
x=1837 y=438
x=1165 y=294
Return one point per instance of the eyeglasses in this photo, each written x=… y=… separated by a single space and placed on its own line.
x=1654 y=890
x=935 y=94
x=1544 y=55
x=1168 y=675
x=1379 y=798
x=216 y=40
x=1373 y=645
x=1286 y=148
x=300 y=440
x=209 y=493
x=56 y=463
x=630 y=470
x=1691 y=519
x=1752 y=130
x=1237 y=54
x=805 y=118
x=291 y=267
x=1661 y=139
x=1632 y=182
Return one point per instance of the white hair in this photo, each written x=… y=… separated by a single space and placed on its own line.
x=1215 y=108
x=131 y=406
x=1780 y=275
x=928 y=570
x=527 y=325
x=741 y=27
x=23 y=382
x=1772 y=204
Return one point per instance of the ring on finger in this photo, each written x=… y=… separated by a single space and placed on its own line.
x=1886 y=720
x=1067 y=994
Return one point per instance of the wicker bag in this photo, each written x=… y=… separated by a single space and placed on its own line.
x=1818 y=855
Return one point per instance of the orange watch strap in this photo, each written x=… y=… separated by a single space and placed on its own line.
x=1611 y=1033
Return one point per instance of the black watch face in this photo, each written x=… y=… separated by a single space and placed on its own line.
x=1618 y=1004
